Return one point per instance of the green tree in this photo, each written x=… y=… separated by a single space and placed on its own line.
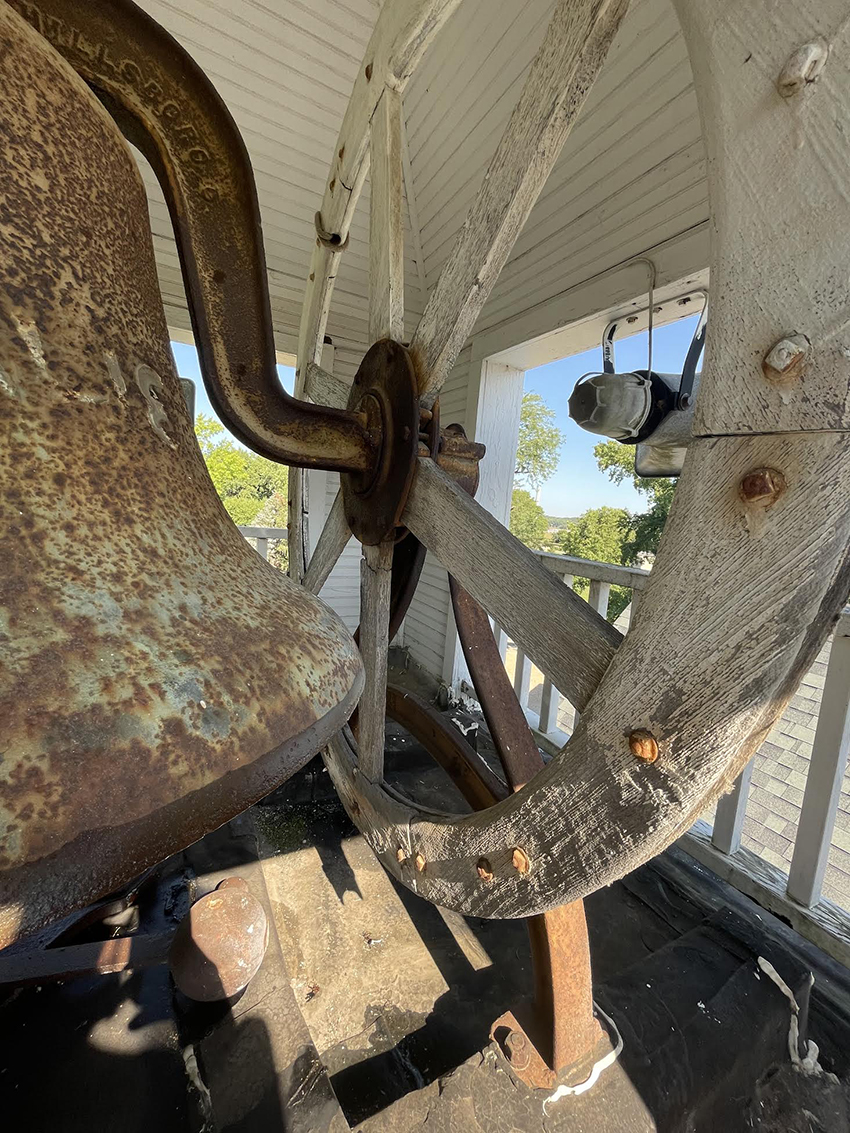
x=528 y=521
x=601 y=533
x=539 y=441
x=252 y=489
x=619 y=462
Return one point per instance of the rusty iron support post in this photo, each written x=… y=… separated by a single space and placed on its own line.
x=562 y=1031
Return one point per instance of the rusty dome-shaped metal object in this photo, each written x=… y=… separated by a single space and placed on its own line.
x=220 y=943
x=156 y=676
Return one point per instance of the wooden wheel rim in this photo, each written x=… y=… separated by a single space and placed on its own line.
x=753 y=566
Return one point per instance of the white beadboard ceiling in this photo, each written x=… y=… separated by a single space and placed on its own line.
x=631 y=175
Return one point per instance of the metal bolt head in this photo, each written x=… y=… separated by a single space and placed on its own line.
x=400 y=856
x=420 y=862
x=520 y=859
x=485 y=870
x=803 y=66
x=643 y=744
x=762 y=487
x=517 y=1049
x=786 y=359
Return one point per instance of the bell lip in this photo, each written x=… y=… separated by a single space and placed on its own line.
x=98 y=862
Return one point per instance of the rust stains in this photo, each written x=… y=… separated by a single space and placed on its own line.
x=155 y=673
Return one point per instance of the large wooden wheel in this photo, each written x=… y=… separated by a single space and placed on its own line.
x=753 y=566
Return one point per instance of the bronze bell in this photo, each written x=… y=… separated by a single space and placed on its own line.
x=156 y=676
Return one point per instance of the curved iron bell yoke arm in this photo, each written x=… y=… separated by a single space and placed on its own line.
x=165 y=105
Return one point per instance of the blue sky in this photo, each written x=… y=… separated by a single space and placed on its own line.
x=186 y=358
x=578 y=484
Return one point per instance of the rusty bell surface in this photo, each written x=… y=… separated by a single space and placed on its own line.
x=156 y=676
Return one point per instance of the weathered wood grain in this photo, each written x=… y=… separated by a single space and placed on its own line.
x=325 y=389
x=573 y=51
x=402 y=33
x=551 y=624
x=375 y=582
x=386 y=228
x=778 y=188
x=706 y=670
x=331 y=543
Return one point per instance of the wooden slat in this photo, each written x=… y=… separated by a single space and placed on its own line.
x=599 y=594
x=386 y=231
x=375 y=582
x=730 y=813
x=572 y=54
x=567 y=640
x=403 y=31
x=325 y=389
x=332 y=542
x=826 y=776
x=792 y=282
x=568 y=567
x=522 y=677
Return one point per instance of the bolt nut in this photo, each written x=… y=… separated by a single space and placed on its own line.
x=400 y=856
x=420 y=862
x=520 y=859
x=786 y=359
x=804 y=65
x=644 y=745
x=517 y=1048
x=762 y=487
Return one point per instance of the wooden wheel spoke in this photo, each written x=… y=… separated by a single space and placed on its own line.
x=386 y=231
x=402 y=33
x=561 y=75
x=375 y=582
x=325 y=389
x=332 y=542
x=567 y=639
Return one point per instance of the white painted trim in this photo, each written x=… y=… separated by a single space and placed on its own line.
x=825 y=777
x=825 y=924
x=494 y=404
x=730 y=813
x=573 y=320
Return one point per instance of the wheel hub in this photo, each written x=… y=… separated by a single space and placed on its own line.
x=384 y=389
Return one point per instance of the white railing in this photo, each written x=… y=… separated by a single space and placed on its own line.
x=796 y=895
x=552 y=717
x=260 y=537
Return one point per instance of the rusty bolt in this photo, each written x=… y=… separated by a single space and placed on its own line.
x=520 y=859
x=518 y=1051
x=785 y=360
x=485 y=870
x=804 y=65
x=644 y=745
x=762 y=487
x=400 y=855
x=420 y=863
